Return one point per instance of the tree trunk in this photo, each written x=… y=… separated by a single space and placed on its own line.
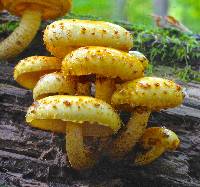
x=161 y=7
x=119 y=10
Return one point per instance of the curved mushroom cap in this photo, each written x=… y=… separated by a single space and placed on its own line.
x=50 y=8
x=103 y=61
x=150 y=92
x=54 y=83
x=52 y=113
x=63 y=36
x=155 y=141
x=29 y=70
x=159 y=136
x=139 y=56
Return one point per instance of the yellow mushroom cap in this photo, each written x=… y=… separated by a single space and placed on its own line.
x=29 y=70
x=155 y=141
x=103 y=61
x=139 y=56
x=63 y=36
x=54 y=83
x=52 y=111
x=50 y=9
x=150 y=92
x=161 y=136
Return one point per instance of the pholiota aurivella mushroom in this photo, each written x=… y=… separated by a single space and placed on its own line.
x=64 y=36
x=141 y=96
x=54 y=84
x=107 y=64
x=77 y=116
x=32 y=11
x=155 y=141
x=29 y=70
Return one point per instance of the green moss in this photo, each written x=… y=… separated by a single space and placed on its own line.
x=167 y=46
x=8 y=26
x=187 y=74
x=184 y=74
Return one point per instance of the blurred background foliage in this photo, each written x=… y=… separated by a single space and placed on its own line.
x=139 y=11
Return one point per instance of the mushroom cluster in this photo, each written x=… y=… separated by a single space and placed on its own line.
x=90 y=79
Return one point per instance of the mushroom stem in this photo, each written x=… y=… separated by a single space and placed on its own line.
x=78 y=156
x=128 y=138
x=83 y=89
x=104 y=88
x=150 y=156
x=22 y=35
x=156 y=141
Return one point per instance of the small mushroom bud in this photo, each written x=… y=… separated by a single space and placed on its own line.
x=156 y=141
